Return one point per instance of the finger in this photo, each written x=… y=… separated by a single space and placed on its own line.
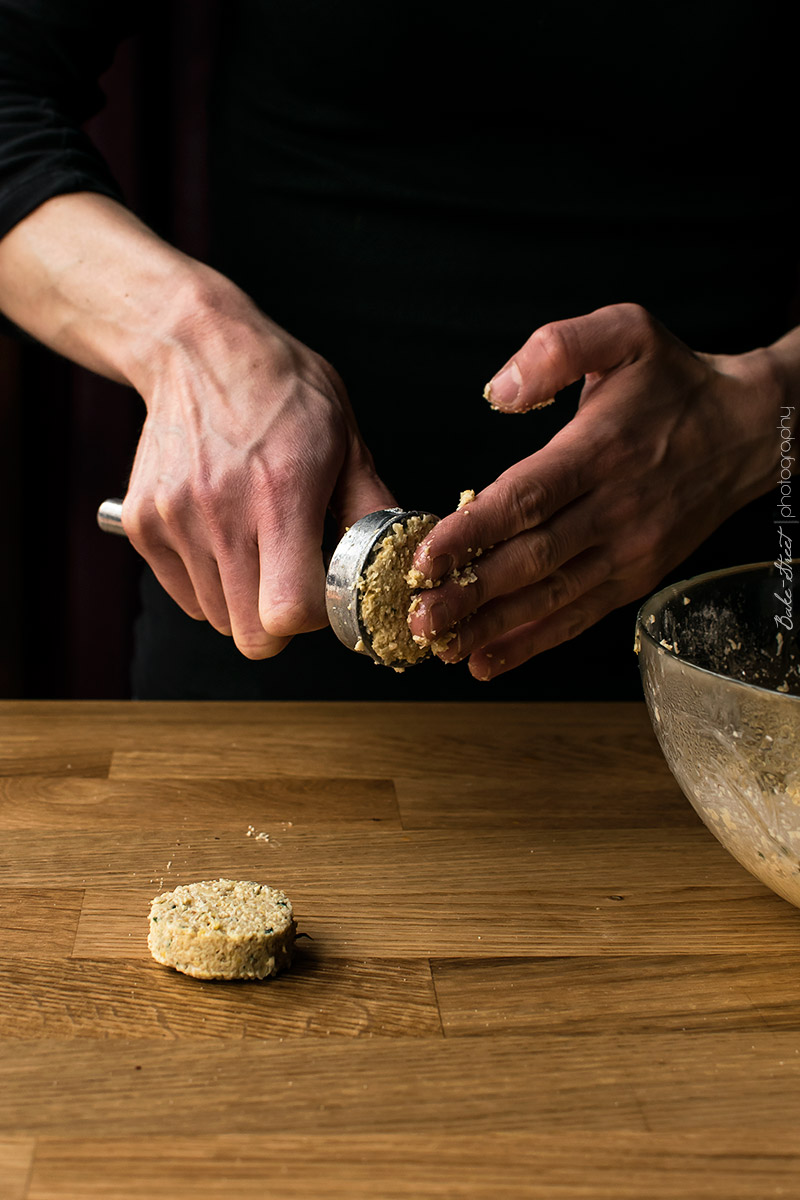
x=291 y=586
x=170 y=572
x=525 y=496
x=292 y=580
x=240 y=578
x=145 y=531
x=193 y=582
x=522 y=560
x=536 y=602
x=169 y=534
x=562 y=352
x=359 y=489
x=203 y=573
x=519 y=645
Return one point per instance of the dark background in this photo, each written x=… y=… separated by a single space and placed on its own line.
x=68 y=594
x=67 y=437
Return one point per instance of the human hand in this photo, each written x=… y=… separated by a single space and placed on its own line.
x=249 y=437
x=666 y=444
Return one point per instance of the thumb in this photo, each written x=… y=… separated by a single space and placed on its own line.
x=359 y=489
x=562 y=352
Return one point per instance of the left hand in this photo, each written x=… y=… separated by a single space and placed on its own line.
x=666 y=444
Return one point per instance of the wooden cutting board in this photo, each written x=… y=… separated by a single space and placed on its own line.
x=531 y=972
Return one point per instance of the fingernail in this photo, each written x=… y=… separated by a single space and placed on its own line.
x=435 y=568
x=448 y=653
x=504 y=389
x=439 y=618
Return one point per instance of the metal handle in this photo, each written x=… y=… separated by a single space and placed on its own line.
x=109 y=517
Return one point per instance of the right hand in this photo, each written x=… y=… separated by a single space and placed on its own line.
x=249 y=438
x=249 y=435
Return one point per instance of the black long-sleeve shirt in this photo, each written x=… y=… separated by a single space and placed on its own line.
x=50 y=58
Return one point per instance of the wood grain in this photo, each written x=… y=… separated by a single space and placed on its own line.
x=626 y=994
x=668 y=1083
x=91 y=999
x=531 y=972
x=413 y=861
x=73 y=802
x=505 y=1166
x=39 y=921
x=560 y=801
x=16 y=1157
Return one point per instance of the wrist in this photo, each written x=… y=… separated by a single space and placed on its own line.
x=190 y=319
x=784 y=363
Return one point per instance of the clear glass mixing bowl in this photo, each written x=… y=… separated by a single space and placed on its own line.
x=722 y=685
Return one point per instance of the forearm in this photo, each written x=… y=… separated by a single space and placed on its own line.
x=84 y=276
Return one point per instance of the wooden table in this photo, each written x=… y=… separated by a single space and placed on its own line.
x=531 y=971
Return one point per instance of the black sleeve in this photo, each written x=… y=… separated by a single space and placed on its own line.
x=51 y=55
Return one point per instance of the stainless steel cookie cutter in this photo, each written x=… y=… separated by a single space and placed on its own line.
x=350 y=559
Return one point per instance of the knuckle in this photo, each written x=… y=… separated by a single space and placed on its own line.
x=138 y=521
x=329 y=378
x=558 y=588
x=527 y=505
x=216 y=505
x=626 y=512
x=578 y=620
x=204 y=496
x=274 y=487
x=634 y=318
x=543 y=553
x=640 y=550
x=171 y=503
x=553 y=341
x=141 y=520
x=288 y=617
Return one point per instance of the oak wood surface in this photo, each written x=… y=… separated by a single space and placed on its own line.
x=531 y=972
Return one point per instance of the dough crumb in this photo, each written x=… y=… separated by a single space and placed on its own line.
x=465 y=577
x=415 y=579
x=441 y=643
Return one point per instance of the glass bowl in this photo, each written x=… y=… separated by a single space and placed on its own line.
x=718 y=656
